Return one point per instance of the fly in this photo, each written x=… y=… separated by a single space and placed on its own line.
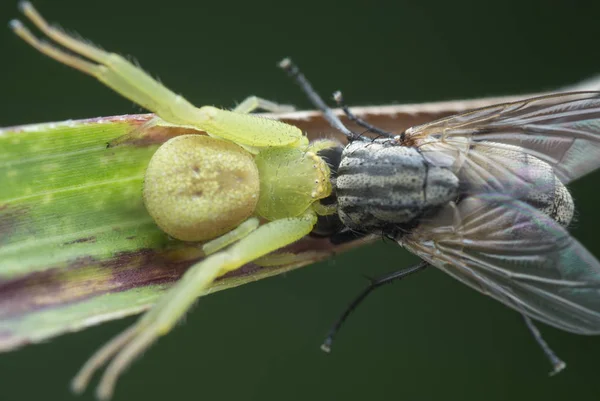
x=482 y=196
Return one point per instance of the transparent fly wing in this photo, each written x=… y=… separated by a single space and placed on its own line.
x=563 y=130
x=516 y=254
x=488 y=167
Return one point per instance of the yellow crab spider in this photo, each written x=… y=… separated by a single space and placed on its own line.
x=213 y=188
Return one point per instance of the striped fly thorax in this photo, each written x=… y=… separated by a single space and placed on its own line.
x=382 y=185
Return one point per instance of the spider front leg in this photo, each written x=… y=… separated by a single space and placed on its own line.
x=136 y=85
x=111 y=69
x=247 y=106
x=253 y=103
x=195 y=282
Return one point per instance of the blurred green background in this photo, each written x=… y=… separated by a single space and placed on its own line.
x=427 y=338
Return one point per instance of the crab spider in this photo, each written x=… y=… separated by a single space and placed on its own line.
x=212 y=188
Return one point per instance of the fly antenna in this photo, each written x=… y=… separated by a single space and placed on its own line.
x=293 y=71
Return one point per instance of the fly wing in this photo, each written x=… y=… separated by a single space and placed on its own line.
x=516 y=254
x=563 y=130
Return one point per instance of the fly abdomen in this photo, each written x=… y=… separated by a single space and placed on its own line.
x=381 y=185
x=527 y=178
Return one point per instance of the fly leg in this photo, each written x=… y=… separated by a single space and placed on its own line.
x=557 y=363
x=388 y=278
x=339 y=99
x=294 y=72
